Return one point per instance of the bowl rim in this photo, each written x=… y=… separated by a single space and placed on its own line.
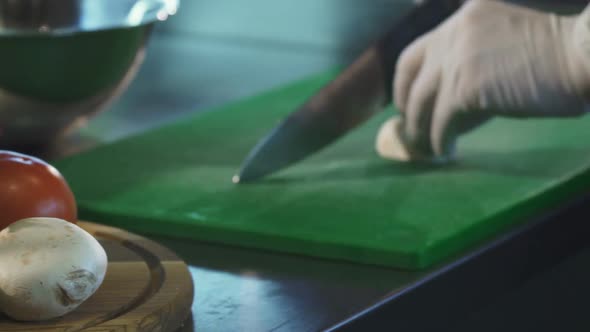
x=64 y=17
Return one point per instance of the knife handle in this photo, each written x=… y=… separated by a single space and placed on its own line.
x=420 y=20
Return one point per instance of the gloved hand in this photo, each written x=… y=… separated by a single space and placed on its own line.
x=489 y=59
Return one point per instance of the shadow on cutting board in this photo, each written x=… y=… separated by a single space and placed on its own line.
x=530 y=163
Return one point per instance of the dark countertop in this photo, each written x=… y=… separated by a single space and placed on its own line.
x=213 y=52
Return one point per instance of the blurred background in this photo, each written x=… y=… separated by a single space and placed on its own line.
x=208 y=54
x=213 y=52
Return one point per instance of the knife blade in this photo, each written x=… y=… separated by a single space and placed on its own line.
x=357 y=93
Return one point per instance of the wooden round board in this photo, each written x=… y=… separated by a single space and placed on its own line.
x=146 y=288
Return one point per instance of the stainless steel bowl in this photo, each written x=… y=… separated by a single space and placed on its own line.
x=62 y=61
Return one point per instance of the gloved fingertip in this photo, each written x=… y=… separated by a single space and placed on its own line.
x=445 y=150
x=408 y=133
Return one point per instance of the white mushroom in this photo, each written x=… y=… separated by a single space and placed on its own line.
x=48 y=267
x=390 y=145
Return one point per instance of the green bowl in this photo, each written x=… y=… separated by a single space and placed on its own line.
x=70 y=67
x=51 y=85
x=62 y=62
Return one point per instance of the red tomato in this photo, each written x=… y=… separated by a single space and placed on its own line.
x=30 y=187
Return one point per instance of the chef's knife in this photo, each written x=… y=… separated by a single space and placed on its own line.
x=360 y=91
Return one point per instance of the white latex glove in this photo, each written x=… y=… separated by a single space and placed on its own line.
x=490 y=58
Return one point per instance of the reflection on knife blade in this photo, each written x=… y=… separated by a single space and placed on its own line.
x=360 y=91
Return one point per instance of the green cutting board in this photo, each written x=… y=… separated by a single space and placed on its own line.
x=343 y=203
